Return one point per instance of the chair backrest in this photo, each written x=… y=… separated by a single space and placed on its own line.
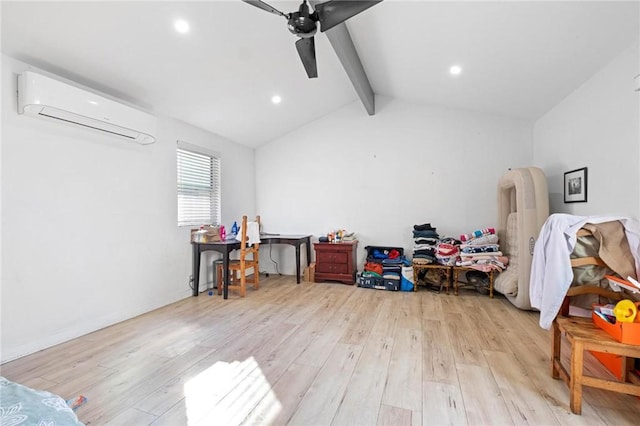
x=245 y=248
x=587 y=293
x=588 y=290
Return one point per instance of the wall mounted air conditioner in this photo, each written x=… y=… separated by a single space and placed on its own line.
x=42 y=96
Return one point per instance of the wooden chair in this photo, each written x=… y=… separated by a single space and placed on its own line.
x=249 y=258
x=582 y=334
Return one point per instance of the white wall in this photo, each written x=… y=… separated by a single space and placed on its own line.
x=597 y=127
x=89 y=223
x=379 y=175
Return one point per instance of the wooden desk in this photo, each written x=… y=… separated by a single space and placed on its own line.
x=226 y=247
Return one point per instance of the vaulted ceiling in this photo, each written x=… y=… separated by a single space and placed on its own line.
x=518 y=59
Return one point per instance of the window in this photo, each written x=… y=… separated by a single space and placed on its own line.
x=198 y=186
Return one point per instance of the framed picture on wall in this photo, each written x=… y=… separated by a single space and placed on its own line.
x=575 y=186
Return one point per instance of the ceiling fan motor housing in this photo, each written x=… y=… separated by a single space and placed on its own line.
x=302 y=26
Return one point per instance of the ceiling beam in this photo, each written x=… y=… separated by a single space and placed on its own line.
x=342 y=43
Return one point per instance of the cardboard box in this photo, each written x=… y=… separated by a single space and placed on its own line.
x=309 y=274
x=624 y=332
x=209 y=234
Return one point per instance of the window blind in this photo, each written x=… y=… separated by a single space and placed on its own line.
x=198 y=188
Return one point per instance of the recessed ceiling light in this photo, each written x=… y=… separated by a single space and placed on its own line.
x=181 y=26
x=276 y=99
x=455 y=70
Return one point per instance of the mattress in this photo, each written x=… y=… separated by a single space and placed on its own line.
x=523 y=207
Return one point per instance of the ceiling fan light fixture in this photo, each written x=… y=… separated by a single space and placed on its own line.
x=455 y=70
x=181 y=26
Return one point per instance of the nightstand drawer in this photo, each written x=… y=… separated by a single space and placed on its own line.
x=331 y=257
x=332 y=268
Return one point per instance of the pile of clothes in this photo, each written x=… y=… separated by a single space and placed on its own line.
x=448 y=251
x=426 y=241
x=480 y=250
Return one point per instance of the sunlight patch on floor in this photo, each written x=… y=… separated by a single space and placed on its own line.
x=227 y=393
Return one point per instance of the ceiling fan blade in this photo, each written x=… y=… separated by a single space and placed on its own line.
x=335 y=12
x=307 y=50
x=264 y=6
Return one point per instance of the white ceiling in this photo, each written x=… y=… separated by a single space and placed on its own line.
x=519 y=58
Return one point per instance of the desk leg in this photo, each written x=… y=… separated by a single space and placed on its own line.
x=225 y=280
x=298 y=263
x=195 y=269
x=307 y=242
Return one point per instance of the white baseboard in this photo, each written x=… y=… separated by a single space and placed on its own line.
x=86 y=326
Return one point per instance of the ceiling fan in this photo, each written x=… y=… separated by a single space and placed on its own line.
x=305 y=24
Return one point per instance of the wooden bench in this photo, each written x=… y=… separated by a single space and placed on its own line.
x=584 y=335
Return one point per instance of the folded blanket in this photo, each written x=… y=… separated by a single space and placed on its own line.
x=446 y=260
x=479 y=248
x=498 y=263
x=481 y=255
x=423 y=260
x=422 y=240
x=425 y=234
x=424 y=247
x=486 y=239
x=446 y=251
x=424 y=227
x=429 y=252
x=477 y=234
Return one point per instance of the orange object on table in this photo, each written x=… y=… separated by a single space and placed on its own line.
x=624 y=332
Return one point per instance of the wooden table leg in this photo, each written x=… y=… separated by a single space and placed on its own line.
x=556 y=338
x=448 y=274
x=575 y=383
x=455 y=282
x=491 y=284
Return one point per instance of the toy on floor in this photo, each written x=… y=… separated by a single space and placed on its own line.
x=76 y=402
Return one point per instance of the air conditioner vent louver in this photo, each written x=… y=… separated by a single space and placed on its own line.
x=45 y=97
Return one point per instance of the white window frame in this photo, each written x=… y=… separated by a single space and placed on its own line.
x=193 y=213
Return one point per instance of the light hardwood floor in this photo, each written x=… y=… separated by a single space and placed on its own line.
x=320 y=354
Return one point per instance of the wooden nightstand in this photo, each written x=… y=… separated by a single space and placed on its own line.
x=336 y=261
